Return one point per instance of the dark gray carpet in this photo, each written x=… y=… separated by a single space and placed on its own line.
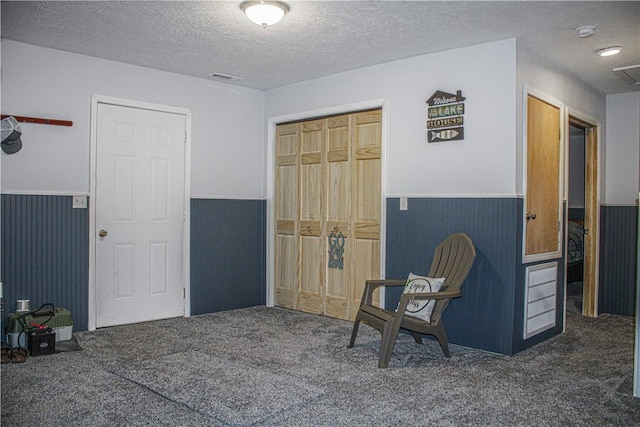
x=274 y=367
x=233 y=392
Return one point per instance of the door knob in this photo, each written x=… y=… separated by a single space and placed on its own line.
x=102 y=233
x=530 y=215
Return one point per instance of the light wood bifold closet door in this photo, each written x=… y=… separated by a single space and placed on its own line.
x=327 y=191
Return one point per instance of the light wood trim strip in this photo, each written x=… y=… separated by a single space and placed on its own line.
x=311 y=158
x=286 y=227
x=338 y=155
x=367 y=230
x=367 y=153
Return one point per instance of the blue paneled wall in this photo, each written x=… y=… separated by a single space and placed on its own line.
x=618 y=255
x=483 y=316
x=45 y=253
x=45 y=259
x=228 y=254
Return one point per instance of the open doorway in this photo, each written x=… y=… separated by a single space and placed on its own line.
x=575 y=220
x=583 y=209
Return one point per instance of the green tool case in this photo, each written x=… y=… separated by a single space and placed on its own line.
x=59 y=319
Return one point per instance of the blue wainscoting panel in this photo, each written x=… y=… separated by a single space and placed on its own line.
x=45 y=253
x=484 y=316
x=228 y=254
x=618 y=234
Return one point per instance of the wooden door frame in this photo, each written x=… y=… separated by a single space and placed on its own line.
x=93 y=161
x=544 y=97
x=573 y=117
x=272 y=122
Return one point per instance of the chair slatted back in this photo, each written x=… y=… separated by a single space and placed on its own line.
x=452 y=259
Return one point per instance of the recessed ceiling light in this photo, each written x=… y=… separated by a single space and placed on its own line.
x=613 y=50
x=264 y=12
x=586 y=31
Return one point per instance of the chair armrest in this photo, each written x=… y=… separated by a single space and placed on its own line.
x=373 y=284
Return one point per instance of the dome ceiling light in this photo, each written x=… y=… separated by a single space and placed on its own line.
x=264 y=13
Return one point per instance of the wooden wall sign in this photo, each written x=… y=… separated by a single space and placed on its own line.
x=445 y=116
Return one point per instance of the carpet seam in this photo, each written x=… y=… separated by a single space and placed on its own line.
x=191 y=409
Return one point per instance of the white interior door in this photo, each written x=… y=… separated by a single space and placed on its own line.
x=139 y=215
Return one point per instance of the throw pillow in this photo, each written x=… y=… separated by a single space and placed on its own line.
x=421 y=309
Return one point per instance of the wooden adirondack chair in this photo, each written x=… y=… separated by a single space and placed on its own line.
x=452 y=260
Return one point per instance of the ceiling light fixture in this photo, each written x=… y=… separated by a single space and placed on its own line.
x=264 y=13
x=613 y=50
x=586 y=31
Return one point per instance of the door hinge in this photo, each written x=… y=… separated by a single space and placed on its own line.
x=184 y=293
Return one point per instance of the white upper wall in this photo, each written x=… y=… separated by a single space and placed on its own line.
x=623 y=149
x=228 y=132
x=481 y=164
x=227 y=121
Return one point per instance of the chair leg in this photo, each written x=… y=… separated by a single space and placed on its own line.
x=389 y=336
x=417 y=337
x=441 y=335
x=354 y=332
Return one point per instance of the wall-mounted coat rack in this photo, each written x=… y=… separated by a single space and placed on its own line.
x=39 y=120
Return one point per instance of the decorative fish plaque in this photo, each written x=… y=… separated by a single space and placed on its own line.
x=445 y=116
x=450 y=134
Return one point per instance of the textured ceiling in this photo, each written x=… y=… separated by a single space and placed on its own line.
x=318 y=38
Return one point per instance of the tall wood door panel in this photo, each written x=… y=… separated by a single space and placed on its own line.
x=311 y=249
x=336 y=192
x=542 y=232
x=589 y=306
x=286 y=215
x=367 y=176
x=338 y=201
